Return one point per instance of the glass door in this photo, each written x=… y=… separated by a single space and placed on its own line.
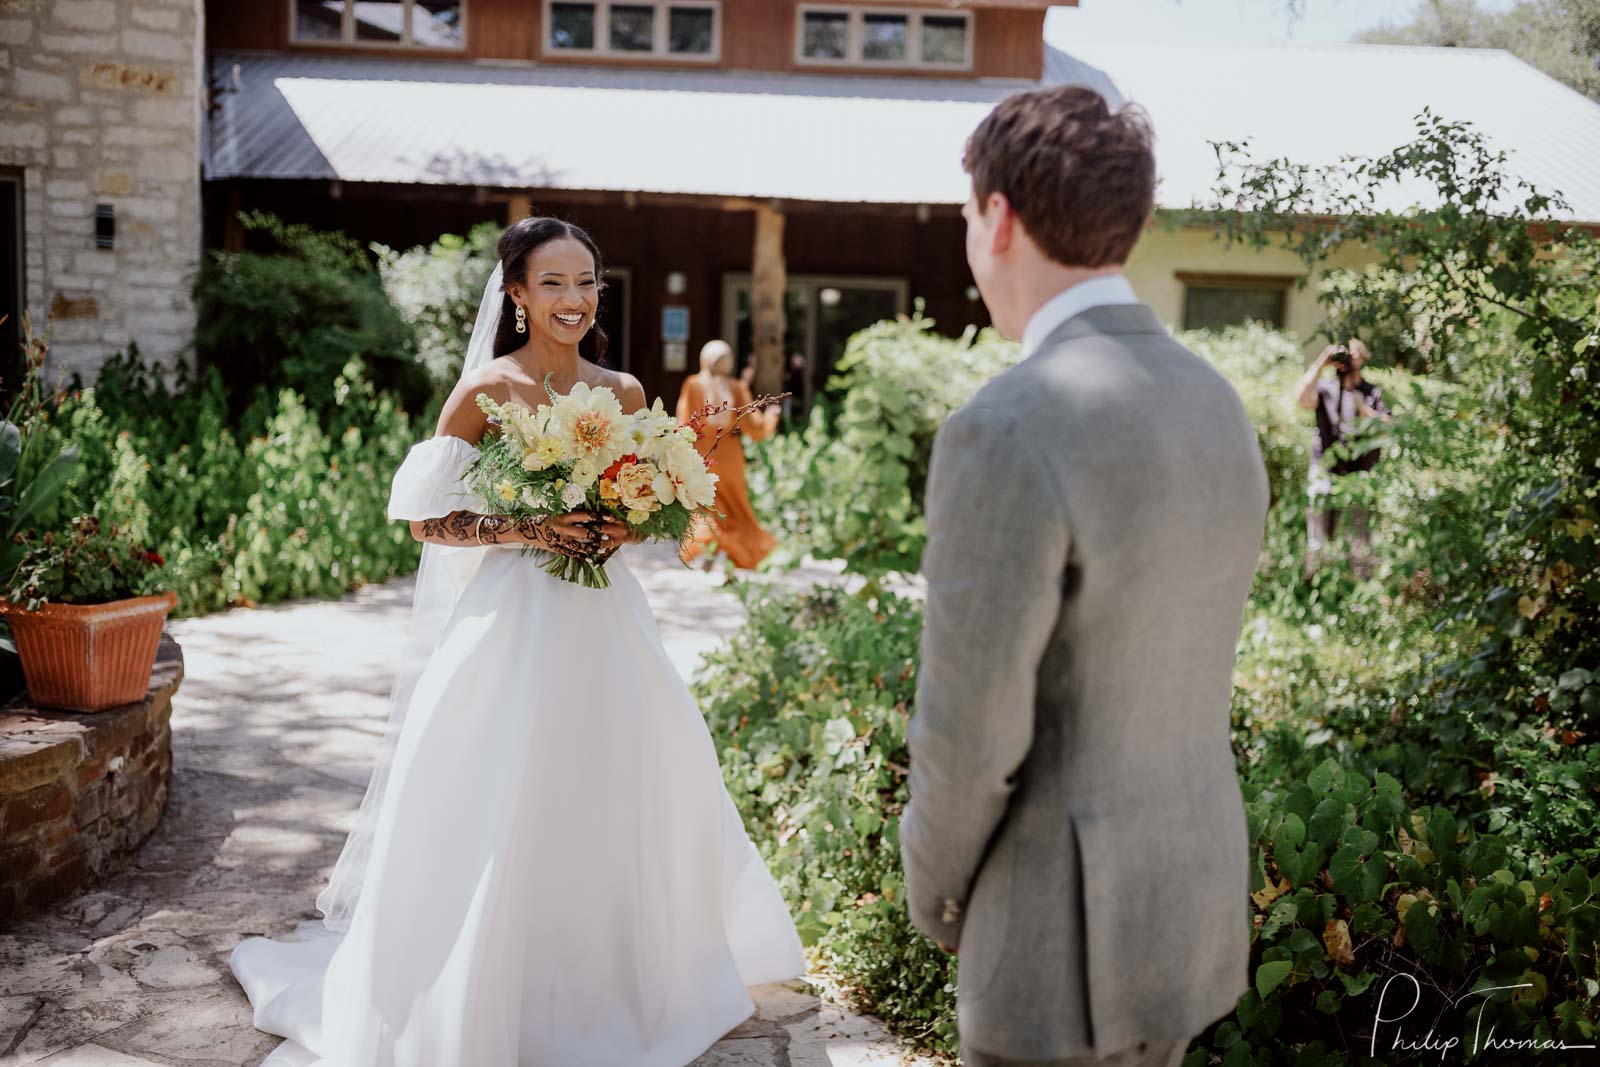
x=821 y=312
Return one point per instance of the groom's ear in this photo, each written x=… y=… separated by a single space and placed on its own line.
x=1003 y=223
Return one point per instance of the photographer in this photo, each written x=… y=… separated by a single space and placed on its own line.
x=1339 y=402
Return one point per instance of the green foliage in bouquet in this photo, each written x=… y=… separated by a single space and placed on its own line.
x=93 y=563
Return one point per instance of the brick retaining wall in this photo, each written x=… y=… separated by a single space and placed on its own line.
x=80 y=792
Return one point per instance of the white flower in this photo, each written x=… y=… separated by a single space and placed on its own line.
x=538 y=500
x=649 y=427
x=637 y=515
x=591 y=425
x=572 y=495
x=584 y=472
x=683 y=476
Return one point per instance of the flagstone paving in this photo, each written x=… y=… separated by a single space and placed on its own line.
x=280 y=710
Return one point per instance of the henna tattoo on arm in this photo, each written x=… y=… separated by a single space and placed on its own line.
x=491 y=527
x=452 y=529
x=464 y=528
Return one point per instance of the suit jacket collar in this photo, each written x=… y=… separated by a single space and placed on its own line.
x=1107 y=319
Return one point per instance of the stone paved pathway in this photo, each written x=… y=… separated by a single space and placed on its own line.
x=273 y=728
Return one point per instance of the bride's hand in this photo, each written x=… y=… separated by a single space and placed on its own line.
x=614 y=533
x=565 y=535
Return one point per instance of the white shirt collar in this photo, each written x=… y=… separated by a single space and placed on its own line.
x=1091 y=292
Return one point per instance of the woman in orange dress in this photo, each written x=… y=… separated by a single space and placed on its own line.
x=737 y=533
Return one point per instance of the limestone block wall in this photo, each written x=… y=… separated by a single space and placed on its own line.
x=101 y=104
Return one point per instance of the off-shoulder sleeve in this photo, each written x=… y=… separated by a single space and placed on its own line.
x=428 y=484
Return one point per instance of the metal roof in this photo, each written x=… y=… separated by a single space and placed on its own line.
x=1313 y=104
x=800 y=136
x=844 y=138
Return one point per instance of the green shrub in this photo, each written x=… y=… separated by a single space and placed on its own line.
x=1353 y=888
x=808 y=706
x=437 y=289
x=852 y=488
x=296 y=508
x=295 y=316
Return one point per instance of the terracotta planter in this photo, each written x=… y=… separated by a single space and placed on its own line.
x=89 y=657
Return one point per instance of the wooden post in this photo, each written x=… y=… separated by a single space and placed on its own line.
x=232 y=228
x=519 y=206
x=769 y=278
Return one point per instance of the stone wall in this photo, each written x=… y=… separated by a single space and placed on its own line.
x=101 y=104
x=79 y=792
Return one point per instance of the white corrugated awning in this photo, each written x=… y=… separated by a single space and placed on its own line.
x=862 y=139
x=806 y=137
x=1313 y=104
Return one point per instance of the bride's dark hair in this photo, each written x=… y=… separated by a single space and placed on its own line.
x=516 y=245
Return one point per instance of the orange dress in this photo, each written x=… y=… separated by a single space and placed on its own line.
x=737 y=533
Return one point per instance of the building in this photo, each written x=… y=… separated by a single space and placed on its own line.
x=99 y=175
x=733 y=158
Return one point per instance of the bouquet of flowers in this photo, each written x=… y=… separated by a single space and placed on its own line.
x=580 y=452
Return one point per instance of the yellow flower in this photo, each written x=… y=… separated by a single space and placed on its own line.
x=637 y=515
x=506 y=491
x=584 y=472
x=542 y=451
x=608 y=491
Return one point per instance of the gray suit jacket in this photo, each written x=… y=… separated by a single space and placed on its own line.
x=1094 y=520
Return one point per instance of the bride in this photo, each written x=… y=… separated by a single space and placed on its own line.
x=546 y=870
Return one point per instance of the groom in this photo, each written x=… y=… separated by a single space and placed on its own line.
x=1094 y=518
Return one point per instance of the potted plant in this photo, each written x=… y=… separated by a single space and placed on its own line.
x=86 y=611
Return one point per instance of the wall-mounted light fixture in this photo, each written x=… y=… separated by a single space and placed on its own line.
x=105 y=226
x=677 y=282
x=829 y=297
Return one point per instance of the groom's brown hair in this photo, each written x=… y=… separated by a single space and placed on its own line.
x=1080 y=176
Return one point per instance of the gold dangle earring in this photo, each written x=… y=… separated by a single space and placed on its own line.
x=522 y=319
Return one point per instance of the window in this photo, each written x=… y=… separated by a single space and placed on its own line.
x=633 y=29
x=387 y=23
x=1213 y=301
x=830 y=35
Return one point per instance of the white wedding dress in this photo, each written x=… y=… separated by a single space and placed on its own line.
x=557 y=876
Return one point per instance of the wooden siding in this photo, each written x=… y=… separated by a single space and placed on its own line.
x=1008 y=42
x=649 y=240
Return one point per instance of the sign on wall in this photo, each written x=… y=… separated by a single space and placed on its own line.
x=675 y=323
